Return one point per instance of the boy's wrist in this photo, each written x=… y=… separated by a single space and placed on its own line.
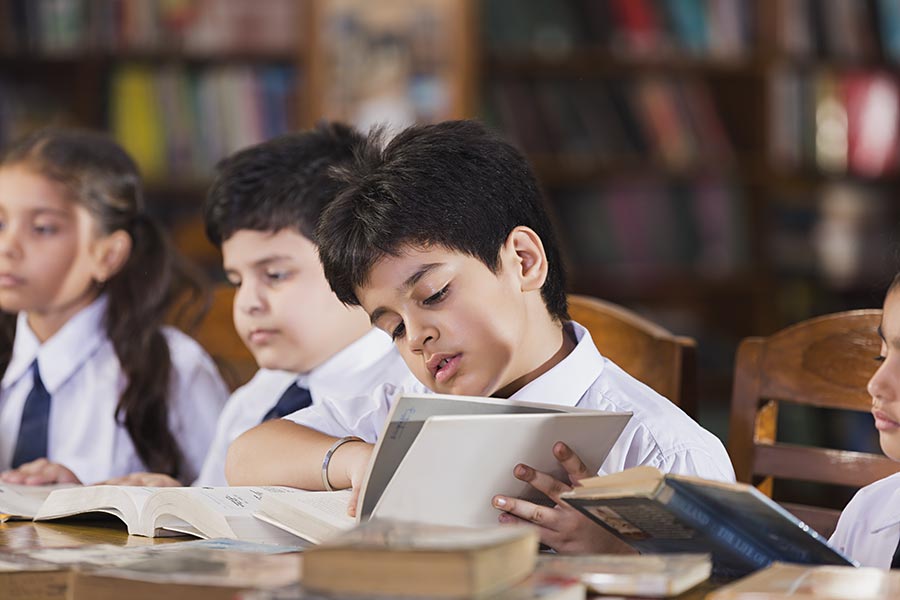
x=329 y=456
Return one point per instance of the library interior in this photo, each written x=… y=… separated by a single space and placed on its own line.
x=721 y=173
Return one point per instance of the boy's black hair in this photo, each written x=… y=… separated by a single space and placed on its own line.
x=278 y=184
x=454 y=184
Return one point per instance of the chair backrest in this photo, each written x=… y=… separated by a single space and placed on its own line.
x=646 y=351
x=822 y=362
x=216 y=333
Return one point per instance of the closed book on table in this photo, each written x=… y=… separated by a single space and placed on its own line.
x=798 y=582
x=382 y=557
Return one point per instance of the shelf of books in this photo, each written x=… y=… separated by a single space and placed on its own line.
x=708 y=157
x=643 y=120
x=182 y=84
x=834 y=97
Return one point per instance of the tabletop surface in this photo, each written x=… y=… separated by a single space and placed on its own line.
x=22 y=535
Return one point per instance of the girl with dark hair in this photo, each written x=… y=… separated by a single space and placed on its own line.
x=93 y=385
x=869 y=528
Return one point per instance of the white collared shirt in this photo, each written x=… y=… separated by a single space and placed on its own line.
x=659 y=433
x=80 y=369
x=869 y=527
x=354 y=371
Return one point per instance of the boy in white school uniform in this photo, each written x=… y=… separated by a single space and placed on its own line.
x=441 y=237
x=869 y=528
x=261 y=211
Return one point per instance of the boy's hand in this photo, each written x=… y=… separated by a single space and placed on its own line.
x=39 y=472
x=562 y=527
x=353 y=462
x=144 y=480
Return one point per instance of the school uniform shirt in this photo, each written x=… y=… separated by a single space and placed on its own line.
x=356 y=370
x=659 y=434
x=82 y=373
x=869 y=528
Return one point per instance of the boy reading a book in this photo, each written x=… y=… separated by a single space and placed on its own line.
x=442 y=238
x=869 y=528
x=261 y=211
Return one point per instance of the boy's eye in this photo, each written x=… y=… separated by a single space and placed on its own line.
x=435 y=298
x=398 y=331
x=277 y=275
x=234 y=282
x=880 y=358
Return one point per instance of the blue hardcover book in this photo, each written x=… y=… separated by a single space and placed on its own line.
x=740 y=527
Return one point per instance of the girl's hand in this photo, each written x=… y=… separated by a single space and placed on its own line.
x=39 y=472
x=144 y=480
x=562 y=527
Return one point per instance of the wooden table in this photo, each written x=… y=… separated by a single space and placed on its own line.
x=23 y=535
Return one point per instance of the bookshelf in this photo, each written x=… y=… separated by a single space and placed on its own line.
x=676 y=139
x=182 y=84
x=677 y=143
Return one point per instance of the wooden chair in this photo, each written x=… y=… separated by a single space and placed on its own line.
x=216 y=333
x=646 y=351
x=823 y=362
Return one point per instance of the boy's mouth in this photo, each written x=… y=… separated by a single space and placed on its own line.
x=260 y=336
x=443 y=366
x=8 y=280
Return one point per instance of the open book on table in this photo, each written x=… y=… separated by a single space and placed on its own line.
x=22 y=502
x=743 y=529
x=440 y=459
x=206 y=512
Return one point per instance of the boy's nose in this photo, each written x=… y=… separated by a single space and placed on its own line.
x=248 y=299
x=419 y=337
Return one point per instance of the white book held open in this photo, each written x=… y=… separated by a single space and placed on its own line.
x=440 y=459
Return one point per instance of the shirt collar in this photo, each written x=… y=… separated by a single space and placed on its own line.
x=889 y=514
x=66 y=350
x=329 y=378
x=571 y=378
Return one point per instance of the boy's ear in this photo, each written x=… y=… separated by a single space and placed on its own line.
x=530 y=258
x=110 y=254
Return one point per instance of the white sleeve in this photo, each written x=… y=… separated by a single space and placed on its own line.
x=699 y=462
x=197 y=396
x=212 y=472
x=245 y=409
x=362 y=416
x=636 y=447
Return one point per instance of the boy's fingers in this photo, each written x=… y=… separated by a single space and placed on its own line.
x=543 y=516
x=542 y=482
x=571 y=462
x=354 y=498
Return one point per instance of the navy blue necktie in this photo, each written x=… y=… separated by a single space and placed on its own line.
x=32 y=441
x=293 y=399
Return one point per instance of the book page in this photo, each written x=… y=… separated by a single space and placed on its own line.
x=212 y=511
x=23 y=501
x=313 y=516
x=458 y=463
x=124 y=502
x=405 y=421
